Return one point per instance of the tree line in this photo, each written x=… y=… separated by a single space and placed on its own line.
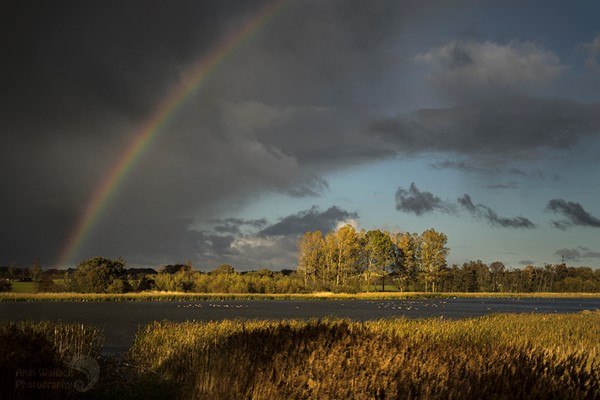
x=351 y=260
x=344 y=260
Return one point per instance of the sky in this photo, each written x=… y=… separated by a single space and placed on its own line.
x=480 y=119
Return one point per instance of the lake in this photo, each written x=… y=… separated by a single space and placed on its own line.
x=121 y=320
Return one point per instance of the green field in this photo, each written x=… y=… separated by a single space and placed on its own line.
x=22 y=287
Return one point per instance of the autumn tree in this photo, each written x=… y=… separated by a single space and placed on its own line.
x=311 y=256
x=433 y=252
x=408 y=247
x=342 y=253
x=380 y=255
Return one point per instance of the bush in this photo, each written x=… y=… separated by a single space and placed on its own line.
x=5 y=285
x=119 y=286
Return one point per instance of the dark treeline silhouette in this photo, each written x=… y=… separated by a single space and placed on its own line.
x=475 y=276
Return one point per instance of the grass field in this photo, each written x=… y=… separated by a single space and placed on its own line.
x=505 y=356
x=521 y=356
x=22 y=287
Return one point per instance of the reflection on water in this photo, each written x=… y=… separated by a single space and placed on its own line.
x=121 y=320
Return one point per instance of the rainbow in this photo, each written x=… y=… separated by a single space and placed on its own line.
x=197 y=74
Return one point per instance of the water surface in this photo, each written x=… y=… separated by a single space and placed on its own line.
x=121 y=320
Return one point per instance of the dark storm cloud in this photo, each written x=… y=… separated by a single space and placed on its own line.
x=486 y=213
x=81 y=79
x=291 y=104
x=76 y=57
x=505 y=125
x=309 y=220
x=420 y=202
x=574 y=213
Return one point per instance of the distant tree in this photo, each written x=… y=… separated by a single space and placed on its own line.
x=12 y=271
x=224 y=269
x=344 y=251
x=497 y=270
x=173 y=269
x=100 y=275
x=42 y=282
x=311 y=257
x=432 y=256
x=408 y=256
x=145 y=282
x=45 y=284
x=25 y=274
x=36 y=270
x=476 y=277
x=380 y=255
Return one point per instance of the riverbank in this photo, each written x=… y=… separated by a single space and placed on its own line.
x=186 y=296
x=501 y=356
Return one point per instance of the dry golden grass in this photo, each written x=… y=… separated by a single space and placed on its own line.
x=35 y=358
x=504 y=356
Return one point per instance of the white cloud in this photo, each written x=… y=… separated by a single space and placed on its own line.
x=460 y=65
x=353 y=222
x=252 y=241
x=592 y=54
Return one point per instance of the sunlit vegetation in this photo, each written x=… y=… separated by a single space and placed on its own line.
x=501 y=356
x=342 y=261
x=505 y=356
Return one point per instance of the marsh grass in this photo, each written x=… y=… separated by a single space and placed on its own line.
x=503 y=356
x=186 y=296
x=35 y=357
x=523 y=356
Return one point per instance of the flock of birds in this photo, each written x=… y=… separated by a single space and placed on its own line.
x=199 y=305
x=406 y=305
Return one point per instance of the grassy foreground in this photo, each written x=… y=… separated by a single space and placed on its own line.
x=187 y=296
x=47 y=360
x=504 y=356
x=523 y=356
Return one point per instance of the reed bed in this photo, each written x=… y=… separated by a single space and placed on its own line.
x=187 y=296
x=503 y=356
x=64 y=340
x=44 y=359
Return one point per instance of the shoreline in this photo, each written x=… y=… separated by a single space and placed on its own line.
x=185 y=296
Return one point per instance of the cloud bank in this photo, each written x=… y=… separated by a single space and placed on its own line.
x=420 y=202
x=489 y=215
x=574 y=213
